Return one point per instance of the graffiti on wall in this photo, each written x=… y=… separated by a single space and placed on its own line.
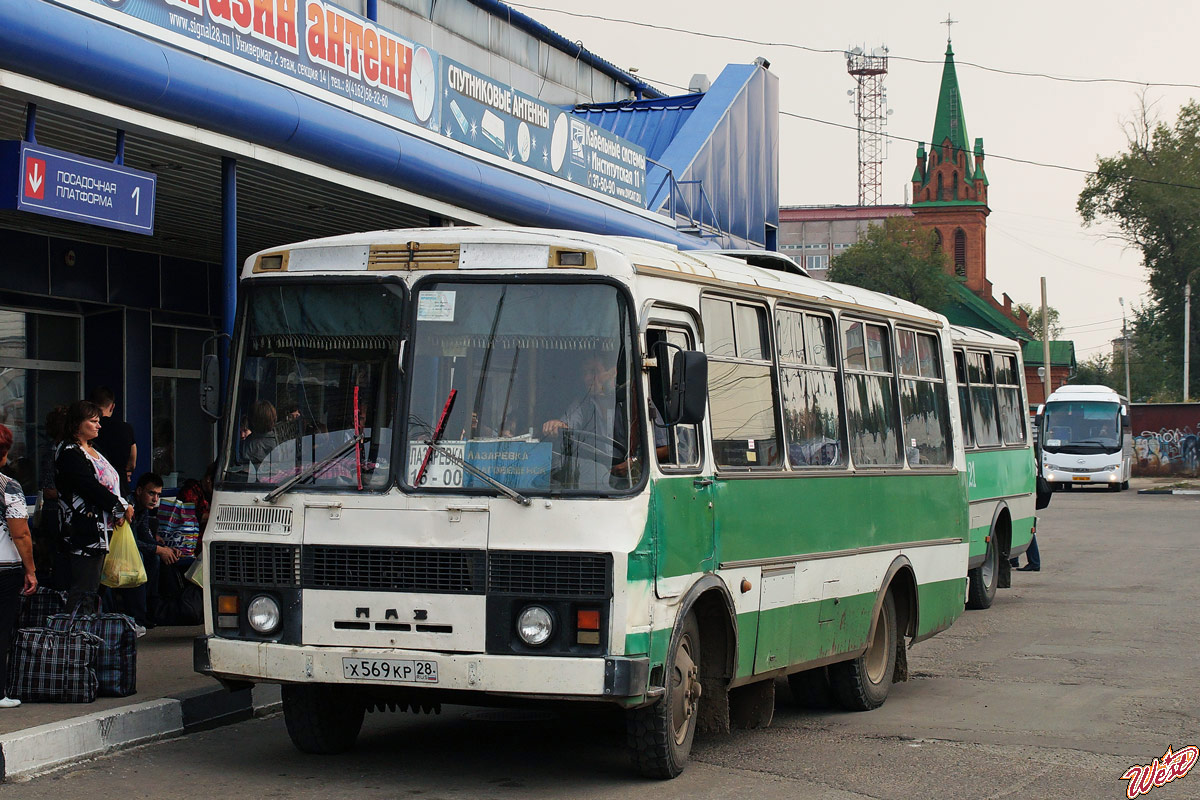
x=1166 y=438
x=1167 y=451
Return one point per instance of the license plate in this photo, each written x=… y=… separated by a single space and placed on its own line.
x=387 y=669
x=1080 y=478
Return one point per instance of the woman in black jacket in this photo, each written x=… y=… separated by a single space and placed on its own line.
x=89 y=503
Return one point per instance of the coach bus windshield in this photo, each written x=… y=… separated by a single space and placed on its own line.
x=1082 y=427
x=540 y=375
x=317 y=368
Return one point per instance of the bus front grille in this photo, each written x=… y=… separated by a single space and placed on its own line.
x=451 y=571
x=394 y=569
x=255 y=564
x=548 y=574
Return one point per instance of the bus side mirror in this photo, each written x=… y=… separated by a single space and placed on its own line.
x=210 y=386
x=689 y=388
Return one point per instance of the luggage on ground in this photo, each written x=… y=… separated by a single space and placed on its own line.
x=116 y=660
x=36 y=607
x=48 y=666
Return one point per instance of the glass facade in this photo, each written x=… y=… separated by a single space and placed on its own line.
x=40 y=367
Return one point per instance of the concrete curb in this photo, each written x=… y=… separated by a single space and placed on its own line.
x=1168 y=491
x=32 y=751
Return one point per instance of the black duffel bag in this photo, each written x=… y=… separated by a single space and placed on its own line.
x=48 y=666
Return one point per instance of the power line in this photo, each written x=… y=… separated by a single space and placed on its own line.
x=1064 y=259
x=840 y=51
x=1090 y=324
x=989 y=155
x=856 y=129
x=1030 y=162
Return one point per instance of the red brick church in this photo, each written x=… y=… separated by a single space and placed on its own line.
x=949 y=195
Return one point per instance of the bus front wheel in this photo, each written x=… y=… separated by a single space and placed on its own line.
x=321 y=719
x=863 y=684
x=660 y=736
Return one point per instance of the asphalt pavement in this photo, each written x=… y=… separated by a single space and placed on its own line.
x=1076 y=674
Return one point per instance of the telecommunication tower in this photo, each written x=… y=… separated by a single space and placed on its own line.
x=870 y=110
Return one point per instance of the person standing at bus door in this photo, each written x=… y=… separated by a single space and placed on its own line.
x=1032 y=557
x=88 y=485
x=17 y=573
x=116 y=441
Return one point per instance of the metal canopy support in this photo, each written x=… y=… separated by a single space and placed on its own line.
x=119 y=160
x=30 y=122
x=229 y=266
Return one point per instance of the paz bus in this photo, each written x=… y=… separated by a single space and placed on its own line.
x=467 y=465
x=1001 y=463
x=1086 y=438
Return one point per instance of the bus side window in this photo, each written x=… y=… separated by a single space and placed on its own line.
x=871 y=410
x=741 y=396
x=1012 y=411
x=813 y=422
x=676 y=447
x=964 y=397
x=983 y=399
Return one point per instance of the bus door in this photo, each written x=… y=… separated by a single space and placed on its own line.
x=682 y=494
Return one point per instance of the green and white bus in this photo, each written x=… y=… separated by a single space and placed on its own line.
x=1001 y=464
x=466 y=465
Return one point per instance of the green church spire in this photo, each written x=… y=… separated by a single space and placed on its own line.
x=951 y=122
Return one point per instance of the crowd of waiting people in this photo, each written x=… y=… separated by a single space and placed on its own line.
x=87 y=489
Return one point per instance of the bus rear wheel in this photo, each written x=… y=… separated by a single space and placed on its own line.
x=321 y=719
x=863 y=684
x=984 y=578
x=660 y=736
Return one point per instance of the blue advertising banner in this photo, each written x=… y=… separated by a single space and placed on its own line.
x=314 y=41
x=493 y=116
x=68 y=186
x=329 y=48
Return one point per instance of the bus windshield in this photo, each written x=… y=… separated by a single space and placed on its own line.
x=540 y=372
x=1076 y=426
x=318 y=367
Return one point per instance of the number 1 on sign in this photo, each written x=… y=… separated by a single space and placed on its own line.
x=137 y=199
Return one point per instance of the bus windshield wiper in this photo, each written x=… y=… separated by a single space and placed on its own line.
x=510 y=493
x=318 y=466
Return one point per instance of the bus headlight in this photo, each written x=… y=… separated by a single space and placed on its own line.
x=534 y=625
x=263 y=614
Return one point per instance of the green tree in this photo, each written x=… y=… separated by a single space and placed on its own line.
x=1035 y=320
x=899 y=258
x=1097 y=371
x=1152 y=193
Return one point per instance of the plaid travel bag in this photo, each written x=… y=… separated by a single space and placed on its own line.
x=48 y=666
x=37 y=607
x=116 y=660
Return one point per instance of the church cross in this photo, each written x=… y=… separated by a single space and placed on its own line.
x=948 y=22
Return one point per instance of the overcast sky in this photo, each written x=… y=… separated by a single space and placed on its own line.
x=1033 y=230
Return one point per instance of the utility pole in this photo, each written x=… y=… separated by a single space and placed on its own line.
x=1187 y=329
x=1045 y=346
x=1125 y=337
x=1187 y=333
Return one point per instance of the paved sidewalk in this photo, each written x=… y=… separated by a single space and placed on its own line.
x=171 y=700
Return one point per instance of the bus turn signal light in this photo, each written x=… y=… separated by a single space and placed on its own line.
x=587 y=627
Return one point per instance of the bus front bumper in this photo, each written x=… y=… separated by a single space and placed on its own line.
x=608 y=678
